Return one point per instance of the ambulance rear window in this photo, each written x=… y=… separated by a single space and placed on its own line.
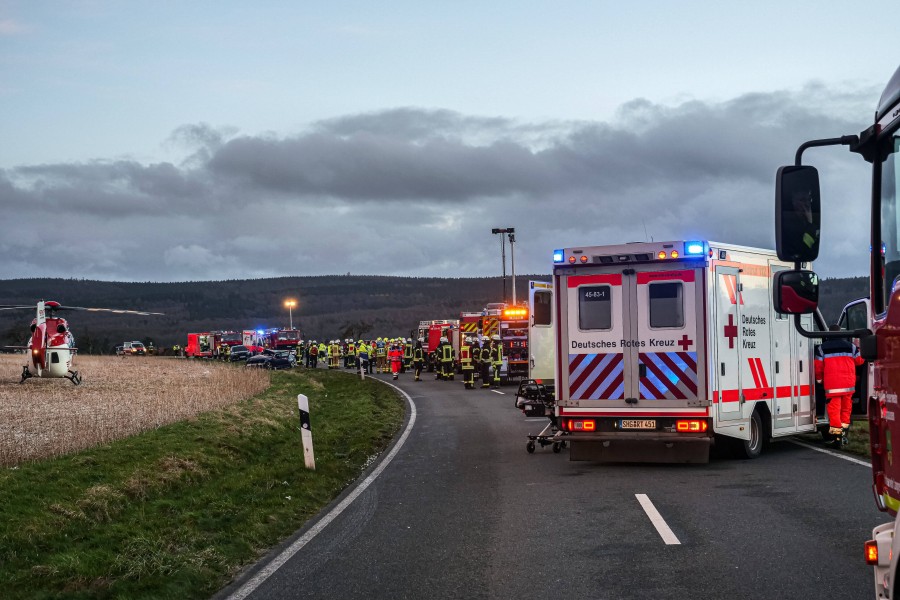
x=666 y=304
x=594 y=307
x=542 y=312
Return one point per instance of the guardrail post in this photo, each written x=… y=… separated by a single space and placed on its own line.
x=306 y=432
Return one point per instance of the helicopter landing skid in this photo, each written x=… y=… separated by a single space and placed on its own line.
x=74 y=377
x=26 y=374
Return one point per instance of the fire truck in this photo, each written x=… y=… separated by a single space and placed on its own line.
x=229 y=338
x=431 y=332
x=200 y=345
x=514 y=325
x=283 y=339
x=797 y=227
x=663 y=345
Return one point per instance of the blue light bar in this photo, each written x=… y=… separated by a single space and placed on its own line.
x=559 y=256
x=694 y=248
x=260 y=332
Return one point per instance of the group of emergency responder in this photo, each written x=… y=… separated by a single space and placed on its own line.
x=399 y=355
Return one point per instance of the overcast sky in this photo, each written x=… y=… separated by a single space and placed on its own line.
x=171 y=141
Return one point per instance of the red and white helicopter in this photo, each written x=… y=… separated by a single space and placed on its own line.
x=52 y=346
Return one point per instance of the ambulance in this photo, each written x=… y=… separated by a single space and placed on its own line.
x=541 y=333
x=664 y=347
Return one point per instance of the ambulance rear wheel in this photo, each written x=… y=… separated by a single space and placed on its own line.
x=752 y=448
x=529 y=447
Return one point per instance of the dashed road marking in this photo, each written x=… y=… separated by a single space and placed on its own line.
x=498 y=392
x=661 y=527
x=276 y=563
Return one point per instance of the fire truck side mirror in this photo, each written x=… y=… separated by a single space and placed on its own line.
x=796 y=292
x=797 y=213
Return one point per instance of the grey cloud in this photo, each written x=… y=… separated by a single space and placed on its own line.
x=411 y=191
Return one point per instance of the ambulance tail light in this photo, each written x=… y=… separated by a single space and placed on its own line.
x=579 y=425
x=691 y=425
x=871 y=548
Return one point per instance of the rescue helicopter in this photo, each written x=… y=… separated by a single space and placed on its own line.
x=52 y=345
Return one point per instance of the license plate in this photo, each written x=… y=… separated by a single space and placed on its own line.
x=637 y=424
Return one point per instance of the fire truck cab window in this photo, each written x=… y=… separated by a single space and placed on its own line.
x=542 y=312
x=890 y=219
x=666 y=304
x=857 y=317
x=594 y=307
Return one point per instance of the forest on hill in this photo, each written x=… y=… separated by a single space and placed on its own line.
x=331 y=306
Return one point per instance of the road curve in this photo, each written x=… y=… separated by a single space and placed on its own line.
x=463 y=511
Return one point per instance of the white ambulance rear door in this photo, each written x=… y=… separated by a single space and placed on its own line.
x=542 y=329
x=667 y=333
x=591 y=352
x=727 y=333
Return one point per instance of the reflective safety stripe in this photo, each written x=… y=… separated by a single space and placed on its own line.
x=841 y=391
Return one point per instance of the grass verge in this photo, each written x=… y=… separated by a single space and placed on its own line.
x=176 y=512
x=859 y=440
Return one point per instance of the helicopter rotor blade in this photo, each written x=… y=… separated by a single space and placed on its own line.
x=15 y=307
x=117 y=311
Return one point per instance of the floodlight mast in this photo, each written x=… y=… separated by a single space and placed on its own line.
x=512 y=238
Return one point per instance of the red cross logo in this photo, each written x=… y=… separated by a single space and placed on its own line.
x=731 y=331
x=685 y=343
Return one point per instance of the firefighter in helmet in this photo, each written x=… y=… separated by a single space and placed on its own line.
x=465 y=361
x=496 y=359
x=445 y=350
x=486 y=369
x=418 y=359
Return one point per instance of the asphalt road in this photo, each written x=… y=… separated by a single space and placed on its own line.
x=462 y=511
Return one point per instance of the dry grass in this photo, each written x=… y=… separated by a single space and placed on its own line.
x=118 y=398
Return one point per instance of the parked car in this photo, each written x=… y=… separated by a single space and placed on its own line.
x=239 y=353
x=273 y=359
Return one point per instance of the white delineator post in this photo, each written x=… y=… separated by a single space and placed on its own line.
x=306 y=432
x=362 y=372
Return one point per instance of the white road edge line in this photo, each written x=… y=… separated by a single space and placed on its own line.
x=834 y=454
x=267 y=571
x=498 y=392
x=661 y=527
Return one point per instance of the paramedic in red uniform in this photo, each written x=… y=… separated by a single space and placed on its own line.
x=395 y=355
x=835 y=364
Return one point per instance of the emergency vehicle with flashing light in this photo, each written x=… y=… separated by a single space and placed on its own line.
x=797 y=235
x=663 y=345
x=514 y=326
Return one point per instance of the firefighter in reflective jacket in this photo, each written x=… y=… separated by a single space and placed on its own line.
x=446 y=354
x=465 y=361
x=418 y=359
x=351 y=354
x=835 y=365
x=407 y=354
x=486 y=375
x=496 y=359
x=380 y=356
x=476 y=360
x=334 y=355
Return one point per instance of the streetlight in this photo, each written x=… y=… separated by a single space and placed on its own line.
x=512 y=238
x=290 y=304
